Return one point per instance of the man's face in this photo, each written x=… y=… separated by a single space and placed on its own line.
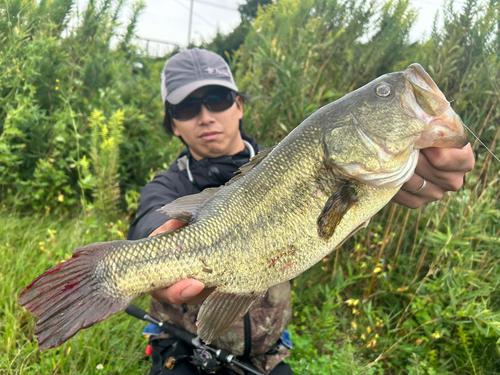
x=212 y=134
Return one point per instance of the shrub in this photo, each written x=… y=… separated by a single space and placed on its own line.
x=57 y=66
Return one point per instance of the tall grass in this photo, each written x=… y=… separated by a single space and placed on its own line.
x=29 y=246
x=417 y=292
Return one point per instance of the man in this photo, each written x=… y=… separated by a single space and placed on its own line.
x=204 y=109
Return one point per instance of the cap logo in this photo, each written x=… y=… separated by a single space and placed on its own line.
x=222 y=72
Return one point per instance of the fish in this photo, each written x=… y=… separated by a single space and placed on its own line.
x=288 y=208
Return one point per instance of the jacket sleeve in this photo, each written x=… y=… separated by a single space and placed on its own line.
x=157 y=193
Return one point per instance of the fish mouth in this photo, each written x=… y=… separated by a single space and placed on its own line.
x=424 y=100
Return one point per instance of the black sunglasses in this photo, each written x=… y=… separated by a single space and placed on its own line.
x=217 y=100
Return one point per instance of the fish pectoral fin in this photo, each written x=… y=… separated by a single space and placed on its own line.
x=185 y=208
x=220 y=310
x=335 y=208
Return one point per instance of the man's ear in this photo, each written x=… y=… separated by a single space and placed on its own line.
x=239 y=105
x=174 y=128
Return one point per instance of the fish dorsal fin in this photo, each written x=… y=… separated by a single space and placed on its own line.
x=335 y=208
x=245 y=168
x=185 y=208
x=220 y=310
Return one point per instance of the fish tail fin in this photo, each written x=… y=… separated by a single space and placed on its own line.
x=71 y=296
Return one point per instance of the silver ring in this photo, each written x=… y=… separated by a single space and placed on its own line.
x=421 y=187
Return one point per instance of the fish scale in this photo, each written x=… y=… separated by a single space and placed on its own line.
x=231 y=207
x=288 y=208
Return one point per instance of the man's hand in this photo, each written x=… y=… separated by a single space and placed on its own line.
x=186 y=291
x=444 y=170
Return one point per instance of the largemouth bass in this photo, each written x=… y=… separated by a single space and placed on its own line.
x=289 y=207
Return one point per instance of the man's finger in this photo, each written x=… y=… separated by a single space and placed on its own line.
x=179 y=293
x=451 y=159
x=413 y=184
x=430 y=193
x=168 y=226
x=447 y=180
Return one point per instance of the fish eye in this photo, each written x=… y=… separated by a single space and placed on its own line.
x=383 y=90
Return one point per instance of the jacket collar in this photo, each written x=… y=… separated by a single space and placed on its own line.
x=213 y=172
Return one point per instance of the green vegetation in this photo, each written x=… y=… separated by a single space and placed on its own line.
x=29 y=246
x=57 y=67
x=80 y=132
x=226 y=44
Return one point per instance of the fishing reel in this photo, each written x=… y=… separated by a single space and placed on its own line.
x=205 y=361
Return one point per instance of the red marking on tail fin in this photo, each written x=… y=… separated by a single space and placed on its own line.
x=69 y=297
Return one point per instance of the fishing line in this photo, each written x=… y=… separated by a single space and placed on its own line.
x=486 y=147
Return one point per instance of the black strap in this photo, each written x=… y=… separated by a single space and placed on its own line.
x=248 y=337
x=162 y=349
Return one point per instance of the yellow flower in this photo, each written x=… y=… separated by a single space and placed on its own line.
x=371 y=344
x=57 y=88
x=352 y=302
x=57 y=80
x=60 y=198
x=436 y=335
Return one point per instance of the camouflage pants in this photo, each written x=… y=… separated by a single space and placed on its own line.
x=166 y=348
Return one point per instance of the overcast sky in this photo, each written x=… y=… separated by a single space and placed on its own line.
x=168 y=20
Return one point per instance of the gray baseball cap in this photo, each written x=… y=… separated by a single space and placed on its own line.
x=191 y=69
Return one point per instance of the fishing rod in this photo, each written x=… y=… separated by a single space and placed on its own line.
x=206 y=355
x=481 y=142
